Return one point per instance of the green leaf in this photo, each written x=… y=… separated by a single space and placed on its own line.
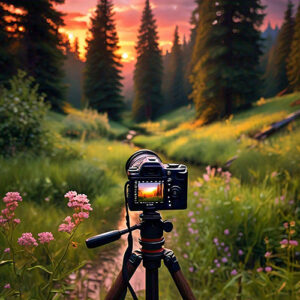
x=41 y=268
x=5 y=262
x=73 y=270
x=232 y=281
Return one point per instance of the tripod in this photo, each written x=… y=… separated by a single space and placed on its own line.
x=151 y=253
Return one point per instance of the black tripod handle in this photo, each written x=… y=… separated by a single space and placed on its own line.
x=108 y=237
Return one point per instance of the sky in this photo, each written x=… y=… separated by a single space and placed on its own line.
x=168 y=14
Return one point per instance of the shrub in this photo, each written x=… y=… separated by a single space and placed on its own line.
x=85 y=124
x=22 y=111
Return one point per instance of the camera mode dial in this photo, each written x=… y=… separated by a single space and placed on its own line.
x=175 y=192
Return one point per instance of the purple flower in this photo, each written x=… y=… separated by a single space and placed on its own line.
x=187 y=243
x=191 y=269
x=212 y=271
x=268 y=269
x=6 y=250
x=293 y=243
x=193 y=220
x=228 y=254
x=226 y=231
x=216 y=261
x=234 y=272
x=224 y=260
x=218 y=265
x=284 y=242
x=268 y=254
x=191 y=213
x=226 y=249
x=7 y=286
x=222 y=244
x=258 y=270
x=196 y=193
x=216 y=241
x=185 y=255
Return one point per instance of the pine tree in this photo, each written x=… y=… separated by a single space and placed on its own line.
x=176 y=94
x=294 y=57
x=102 y=82
x=283 y=48
x=41 y=53
x=76 y=48
x=7 y=63
x=226 y=57
x=148 y=69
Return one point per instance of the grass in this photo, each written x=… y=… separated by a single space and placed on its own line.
x=218 y=142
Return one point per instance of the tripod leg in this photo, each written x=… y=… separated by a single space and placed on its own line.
x=151 y=284
x=180 y=281
x=119 y=287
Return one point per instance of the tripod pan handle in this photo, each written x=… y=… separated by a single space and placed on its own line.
x=103 y=239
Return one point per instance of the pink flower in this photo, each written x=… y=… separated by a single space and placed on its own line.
x=193 y=220
x=206 y=177
x=258 y=270
x=293 y=243
x=187 y=243
x=196 y=193
x=224 y=260
x=191 y=230
x=190 y=214
x=7 y=286
x=212 y=271
x=226 y=231
x=268 y=254
x=12 y=197
x=27 y=240
x=6 y=250
x=240 y=252
x=233 y=272
x=216 y=241
x=284 y=242
x=191 y=269
x=17 y=221
x=68 y=226
x=268 y=269
x=45 y=237
x=286 y=225
x=185 y=256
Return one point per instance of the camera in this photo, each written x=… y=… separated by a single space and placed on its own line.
x=154 y=185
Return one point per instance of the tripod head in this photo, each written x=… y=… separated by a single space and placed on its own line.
x=151 y=228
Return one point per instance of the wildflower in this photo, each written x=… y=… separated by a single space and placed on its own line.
x=286 y=225
x=7 y=286
x=218 y=265
x=268 y=269
x=187 y=243
x=190 y=214
x=216 y=241
x=196 y=194
x=268 y=254
x=284 y=243
x=292 y=223
x=240 y=234
x=193 y=220
x=240 y=252
x=226 y=249
x=224 y=260
x=273 y=174
x=258 y=270
x=47 y=199
x=6 y=250
x=17 y=221
x=282 y=198
x=68 y=226
x=212 y=271
x=222 y=244
x=229 y=254
x=185 y=256
x=45 y=237
x=216 y=261
x=219 y=170
x=191 y=230
x=206 y=177
x=293 y=243
x=226 y=231
x=27 y=240
x=191 y=269
x=233 y=272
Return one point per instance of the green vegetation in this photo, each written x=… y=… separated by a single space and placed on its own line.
x=217 y=143
x=148 y=69
x=102 y=82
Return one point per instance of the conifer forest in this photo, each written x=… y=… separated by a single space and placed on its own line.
x=210 y=85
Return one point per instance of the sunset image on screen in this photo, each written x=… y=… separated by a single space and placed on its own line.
x=150 y=192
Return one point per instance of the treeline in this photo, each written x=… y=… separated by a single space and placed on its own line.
x=219 y=68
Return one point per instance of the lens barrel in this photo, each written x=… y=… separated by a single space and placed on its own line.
x=139 y=155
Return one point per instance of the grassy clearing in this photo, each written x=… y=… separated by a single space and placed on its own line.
x=215 y=144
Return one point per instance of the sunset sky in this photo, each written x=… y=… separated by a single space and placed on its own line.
x=168 y=13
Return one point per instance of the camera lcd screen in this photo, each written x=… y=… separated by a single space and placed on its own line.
x=150 y=191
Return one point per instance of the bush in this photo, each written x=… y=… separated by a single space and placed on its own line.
x=85 y=124
x=22 y=111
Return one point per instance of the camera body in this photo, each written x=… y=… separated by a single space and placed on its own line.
x=154 y=185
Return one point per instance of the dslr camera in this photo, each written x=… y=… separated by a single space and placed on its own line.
x=154 y=185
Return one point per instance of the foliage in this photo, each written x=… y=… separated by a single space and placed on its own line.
x=148 y=69
x=85 y=124
x=176 y=90
x=217 y=143
x=238 y=239
x=6 y=57
x=102 y=76
x=39 y=47
x=226 y=56
x=41 y=261
x=294 y=56
x=22 y=111
x=283 y=48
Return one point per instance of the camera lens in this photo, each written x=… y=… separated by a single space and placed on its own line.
x=138 y=157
